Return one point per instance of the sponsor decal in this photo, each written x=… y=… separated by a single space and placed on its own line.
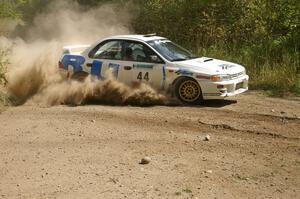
x=183 y=72
x=202 y=77
x=146 y=66
x=96 y=69
x=115 y=69
x=76 y=61
x=169 y=73
x=141 y=76
x=164 y=77
x=164 y=72
x=226 y=66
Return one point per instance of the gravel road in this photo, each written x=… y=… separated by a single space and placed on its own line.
x=94 y=151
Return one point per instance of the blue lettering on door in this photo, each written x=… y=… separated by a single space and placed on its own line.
x=115 y=69
x=96 y=69
x=75 y=61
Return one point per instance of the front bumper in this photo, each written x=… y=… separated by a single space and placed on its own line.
x=220 y=90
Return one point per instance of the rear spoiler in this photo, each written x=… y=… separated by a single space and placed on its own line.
x=75 y=49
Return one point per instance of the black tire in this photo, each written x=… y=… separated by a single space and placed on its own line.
x=188 y=91
x=79 y=76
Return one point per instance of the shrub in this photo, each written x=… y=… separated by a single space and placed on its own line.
x=3 y=64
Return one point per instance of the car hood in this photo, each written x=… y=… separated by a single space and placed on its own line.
x=210 y=66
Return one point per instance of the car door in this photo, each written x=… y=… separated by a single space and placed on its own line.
x=140 y=64
x=105 y=57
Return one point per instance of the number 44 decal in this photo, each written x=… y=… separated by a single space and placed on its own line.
x=146 y=76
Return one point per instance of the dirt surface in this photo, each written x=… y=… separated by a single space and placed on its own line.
x=93 y=151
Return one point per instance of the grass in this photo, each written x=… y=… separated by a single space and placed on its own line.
x=3 y=99
x=3 y=63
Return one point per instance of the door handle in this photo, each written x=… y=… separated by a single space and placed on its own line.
x=127 y=67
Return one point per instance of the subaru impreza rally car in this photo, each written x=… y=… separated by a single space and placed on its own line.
x=157 y=61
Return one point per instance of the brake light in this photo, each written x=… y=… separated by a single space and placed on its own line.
x=61 y=65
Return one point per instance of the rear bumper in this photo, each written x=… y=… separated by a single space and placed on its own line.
x=221 y=90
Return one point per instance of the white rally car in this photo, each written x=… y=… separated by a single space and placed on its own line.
x=157 y=61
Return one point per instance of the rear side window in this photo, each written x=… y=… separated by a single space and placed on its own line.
x=107 y=50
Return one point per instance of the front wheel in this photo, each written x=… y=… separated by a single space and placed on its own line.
x=188 y=91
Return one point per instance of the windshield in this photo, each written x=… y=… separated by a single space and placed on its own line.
x=171 y=51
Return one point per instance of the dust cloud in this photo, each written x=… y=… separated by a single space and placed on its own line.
x=33 y=72
x=106 y=91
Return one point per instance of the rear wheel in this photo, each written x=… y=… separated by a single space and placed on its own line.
x=79 y=76
x=188 y=91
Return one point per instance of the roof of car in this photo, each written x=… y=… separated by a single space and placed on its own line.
x=145 y=38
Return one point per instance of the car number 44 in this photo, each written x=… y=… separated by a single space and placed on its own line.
x=141 y=76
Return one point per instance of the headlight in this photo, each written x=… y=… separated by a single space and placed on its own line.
x=217 y=78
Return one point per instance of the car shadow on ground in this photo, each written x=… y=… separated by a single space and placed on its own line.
x=218 y=103
x=170 y=103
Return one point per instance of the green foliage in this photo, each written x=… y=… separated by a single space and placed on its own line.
x=4 y=100
x=3 y=64
x=9 y=8
x=260 y=34
x=263 y=35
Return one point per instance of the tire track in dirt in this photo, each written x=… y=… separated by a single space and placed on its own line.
x=260 y=124
x=228 y=127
